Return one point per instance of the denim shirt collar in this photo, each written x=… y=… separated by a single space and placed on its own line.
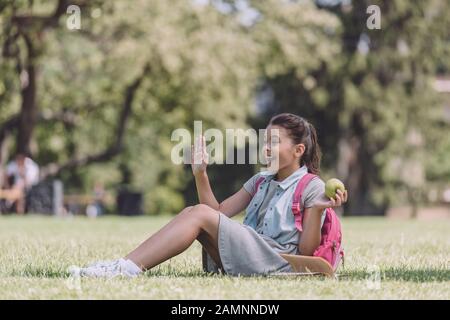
x=287 y=182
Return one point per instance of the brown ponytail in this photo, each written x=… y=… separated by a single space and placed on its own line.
x=301 y=131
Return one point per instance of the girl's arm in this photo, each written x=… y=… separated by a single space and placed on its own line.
x=230 y=206
x=311 y=235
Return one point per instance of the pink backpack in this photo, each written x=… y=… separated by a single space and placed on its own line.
x=330 y=247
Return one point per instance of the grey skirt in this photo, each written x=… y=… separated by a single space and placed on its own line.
x=245 y=252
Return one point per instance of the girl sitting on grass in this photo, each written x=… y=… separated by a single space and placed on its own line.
x=252 y=248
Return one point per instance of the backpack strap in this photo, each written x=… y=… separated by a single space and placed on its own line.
x=296 y=201
x=257 y=184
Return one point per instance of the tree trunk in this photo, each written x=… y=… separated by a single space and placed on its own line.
x=32 y=28
x=357 y=169
x=29 y=110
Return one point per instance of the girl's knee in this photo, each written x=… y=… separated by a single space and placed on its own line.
x=197 y=208
x=202 y=212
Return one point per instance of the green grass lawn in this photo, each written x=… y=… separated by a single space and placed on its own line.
x=385 y=259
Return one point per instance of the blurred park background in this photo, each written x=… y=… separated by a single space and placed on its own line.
x=94 y=107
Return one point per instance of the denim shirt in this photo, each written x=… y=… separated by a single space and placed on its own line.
x=279 y=221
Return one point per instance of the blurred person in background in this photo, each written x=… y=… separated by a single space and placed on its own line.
x=20 y=175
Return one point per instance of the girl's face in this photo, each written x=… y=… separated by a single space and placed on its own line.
x=281 y=151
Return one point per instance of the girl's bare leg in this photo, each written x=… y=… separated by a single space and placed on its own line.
x=199 y=222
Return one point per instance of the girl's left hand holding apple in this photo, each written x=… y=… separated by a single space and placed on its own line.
x=324 y=202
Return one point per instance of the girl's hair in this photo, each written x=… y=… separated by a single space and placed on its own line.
x=301 y=131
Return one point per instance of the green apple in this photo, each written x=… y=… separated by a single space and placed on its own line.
x=331 y=187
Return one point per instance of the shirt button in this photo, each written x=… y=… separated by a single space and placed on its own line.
x=256 y=204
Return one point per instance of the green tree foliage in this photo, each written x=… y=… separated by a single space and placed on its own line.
x=108 y=96
x=377 y=127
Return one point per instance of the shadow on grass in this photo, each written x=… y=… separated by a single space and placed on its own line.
x=36 y=272
x=400 y=274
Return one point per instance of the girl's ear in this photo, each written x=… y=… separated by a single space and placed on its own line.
x=300 y=149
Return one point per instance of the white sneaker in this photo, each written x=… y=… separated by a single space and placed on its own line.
x=75 y=271
x=120 y=267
